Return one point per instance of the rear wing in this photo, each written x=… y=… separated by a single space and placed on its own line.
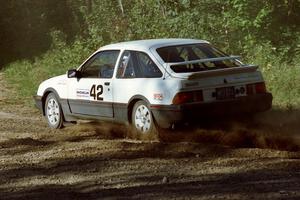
x=227 y=71
x=214 y=72
x=204 y=60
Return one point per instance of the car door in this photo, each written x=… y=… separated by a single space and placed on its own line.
x=91 y=92
x=136 y=75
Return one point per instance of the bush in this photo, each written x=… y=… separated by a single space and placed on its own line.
x=282 y=78
x=26 y=75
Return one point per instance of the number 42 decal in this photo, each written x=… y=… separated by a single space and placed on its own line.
x=96 y=91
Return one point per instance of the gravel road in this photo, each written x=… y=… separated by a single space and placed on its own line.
x=257 y=160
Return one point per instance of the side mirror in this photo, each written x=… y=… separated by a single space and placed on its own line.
x=73 y=73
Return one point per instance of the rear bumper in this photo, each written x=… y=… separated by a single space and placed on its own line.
x=165 y=116
x=38 y=102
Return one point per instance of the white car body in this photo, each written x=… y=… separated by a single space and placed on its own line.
x=116 y=97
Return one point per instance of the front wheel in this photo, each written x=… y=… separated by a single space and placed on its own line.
x=142 y=121
x=53 y=112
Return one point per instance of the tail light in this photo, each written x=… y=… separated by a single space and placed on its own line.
x=188 y=97
x=257 y=88
x=260 y=88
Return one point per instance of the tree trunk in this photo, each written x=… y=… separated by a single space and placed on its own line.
x=89 y=5
x=121 y=6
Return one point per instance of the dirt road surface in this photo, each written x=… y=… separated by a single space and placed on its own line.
x=257 y=160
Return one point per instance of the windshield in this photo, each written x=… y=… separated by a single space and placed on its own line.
x=182 y=53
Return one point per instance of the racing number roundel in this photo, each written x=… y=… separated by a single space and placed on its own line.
x=96 y=92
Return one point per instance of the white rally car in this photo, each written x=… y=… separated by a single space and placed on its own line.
x=154 y=83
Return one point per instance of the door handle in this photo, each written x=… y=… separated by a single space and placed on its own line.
x=107 y=83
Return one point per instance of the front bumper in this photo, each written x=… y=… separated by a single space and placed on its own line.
x=38 y=102
x=165 y=116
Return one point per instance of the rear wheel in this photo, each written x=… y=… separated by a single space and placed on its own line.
x=53 y=112
x=143 y=122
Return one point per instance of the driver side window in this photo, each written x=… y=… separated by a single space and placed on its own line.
x=101 y=65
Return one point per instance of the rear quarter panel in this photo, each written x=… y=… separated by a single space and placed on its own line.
x=157 y=91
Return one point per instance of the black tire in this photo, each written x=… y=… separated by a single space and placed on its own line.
x=143 y=121
x=53 y=112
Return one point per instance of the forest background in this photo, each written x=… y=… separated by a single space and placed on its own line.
x=43 y=38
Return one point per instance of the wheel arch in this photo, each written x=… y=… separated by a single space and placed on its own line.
x=45 y=95
x=131 y=103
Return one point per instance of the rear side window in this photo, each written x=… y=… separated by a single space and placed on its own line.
x=135 y=64
x=181 y=53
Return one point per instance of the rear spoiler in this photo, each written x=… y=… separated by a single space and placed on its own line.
x=226 y=71
x=216 y=72
x=204 y=60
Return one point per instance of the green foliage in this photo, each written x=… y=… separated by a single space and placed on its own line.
x=25 y=26
x=264 y=32
x=282 y=78
x=26 y=75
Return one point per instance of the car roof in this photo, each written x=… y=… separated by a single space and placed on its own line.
x=144 y=45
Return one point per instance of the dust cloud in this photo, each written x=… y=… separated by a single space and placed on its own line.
x=275 y=129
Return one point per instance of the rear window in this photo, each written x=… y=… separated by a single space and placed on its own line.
x=182 y=53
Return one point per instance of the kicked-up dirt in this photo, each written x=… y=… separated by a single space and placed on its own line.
x=259 y=159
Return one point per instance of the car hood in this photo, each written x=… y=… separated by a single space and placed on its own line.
x=61 y=79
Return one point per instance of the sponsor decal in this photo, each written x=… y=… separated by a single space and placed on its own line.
x=158 y=96
x=83 y=93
